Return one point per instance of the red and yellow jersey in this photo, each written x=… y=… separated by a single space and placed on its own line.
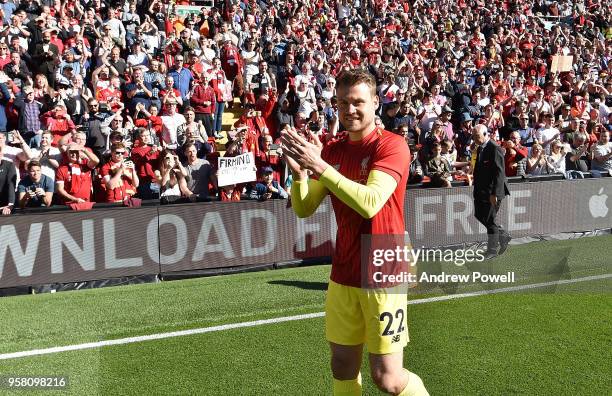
x=382 y=151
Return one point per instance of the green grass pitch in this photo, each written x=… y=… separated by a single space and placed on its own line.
x=550 y=341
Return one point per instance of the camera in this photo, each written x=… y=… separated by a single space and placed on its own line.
x=314 y=126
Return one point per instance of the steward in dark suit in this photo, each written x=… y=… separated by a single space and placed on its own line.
x=490 y=188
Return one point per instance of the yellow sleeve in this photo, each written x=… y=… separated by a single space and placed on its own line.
x=306 y=196
x=366 y=200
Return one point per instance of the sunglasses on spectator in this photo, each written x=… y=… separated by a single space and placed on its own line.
x=120 y=152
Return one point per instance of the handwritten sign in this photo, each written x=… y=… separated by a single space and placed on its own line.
x=236 y=170
x=184 y=10
x=561 y=63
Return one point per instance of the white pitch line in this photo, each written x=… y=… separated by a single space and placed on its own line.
x=202 y=330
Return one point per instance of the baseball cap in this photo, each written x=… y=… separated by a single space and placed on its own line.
x=267 y=169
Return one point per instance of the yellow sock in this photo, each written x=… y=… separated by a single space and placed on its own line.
x=415 y=386
x=348 y=387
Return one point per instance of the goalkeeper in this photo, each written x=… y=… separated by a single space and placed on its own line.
x=365 y=173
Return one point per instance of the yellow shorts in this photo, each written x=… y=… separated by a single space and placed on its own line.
x=376 y=317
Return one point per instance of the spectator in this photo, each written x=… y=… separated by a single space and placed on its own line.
x=171 y=177
x=547 y=133
x=514 y=156
x=230 y=192
x=250 y=60
x=219 y=82
x=438 y=169
x=537 y=162
x=12 y=153
x=131 y=21
x=232 y=63
x=199 y=174
x=169 y=93
x=183 y=78
x=42 y=91
x=268 y=157
x=46 y=57
x=96 y=124
x=539 y=106
x=525 y=132
x=8 y=180
x=145 y=156
x=112 y=96
x=263 y=80
x=194 y=133
x=187 y=42
x=463 y=140
x=68 y=63
x=29 y=111
x=445 y=122
x=119 y=176
x=268 y=188
x=115 y=127
x=204 y=101
x=416 y=170
x=73 y=181
x=36 y=189
x=137 y=58
x=448 y=152
x=556 y=159
x=171 y=121
x=76 y=101
x=17 y=70
x=576 y=159
x=138 y=91
x=602 y=154
x=403 y=116
x=155 y=78
x=47 y=156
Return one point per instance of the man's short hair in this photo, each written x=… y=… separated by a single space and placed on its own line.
x=187 y=146
x=117 y=146
x=33 y=163
x=350 y=78
x=393 y=105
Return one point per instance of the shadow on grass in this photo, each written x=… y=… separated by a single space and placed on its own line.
x=301 y=284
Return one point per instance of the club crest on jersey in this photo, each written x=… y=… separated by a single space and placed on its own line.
x=364 y=166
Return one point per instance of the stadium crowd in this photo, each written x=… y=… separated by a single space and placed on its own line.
x=106 y=101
